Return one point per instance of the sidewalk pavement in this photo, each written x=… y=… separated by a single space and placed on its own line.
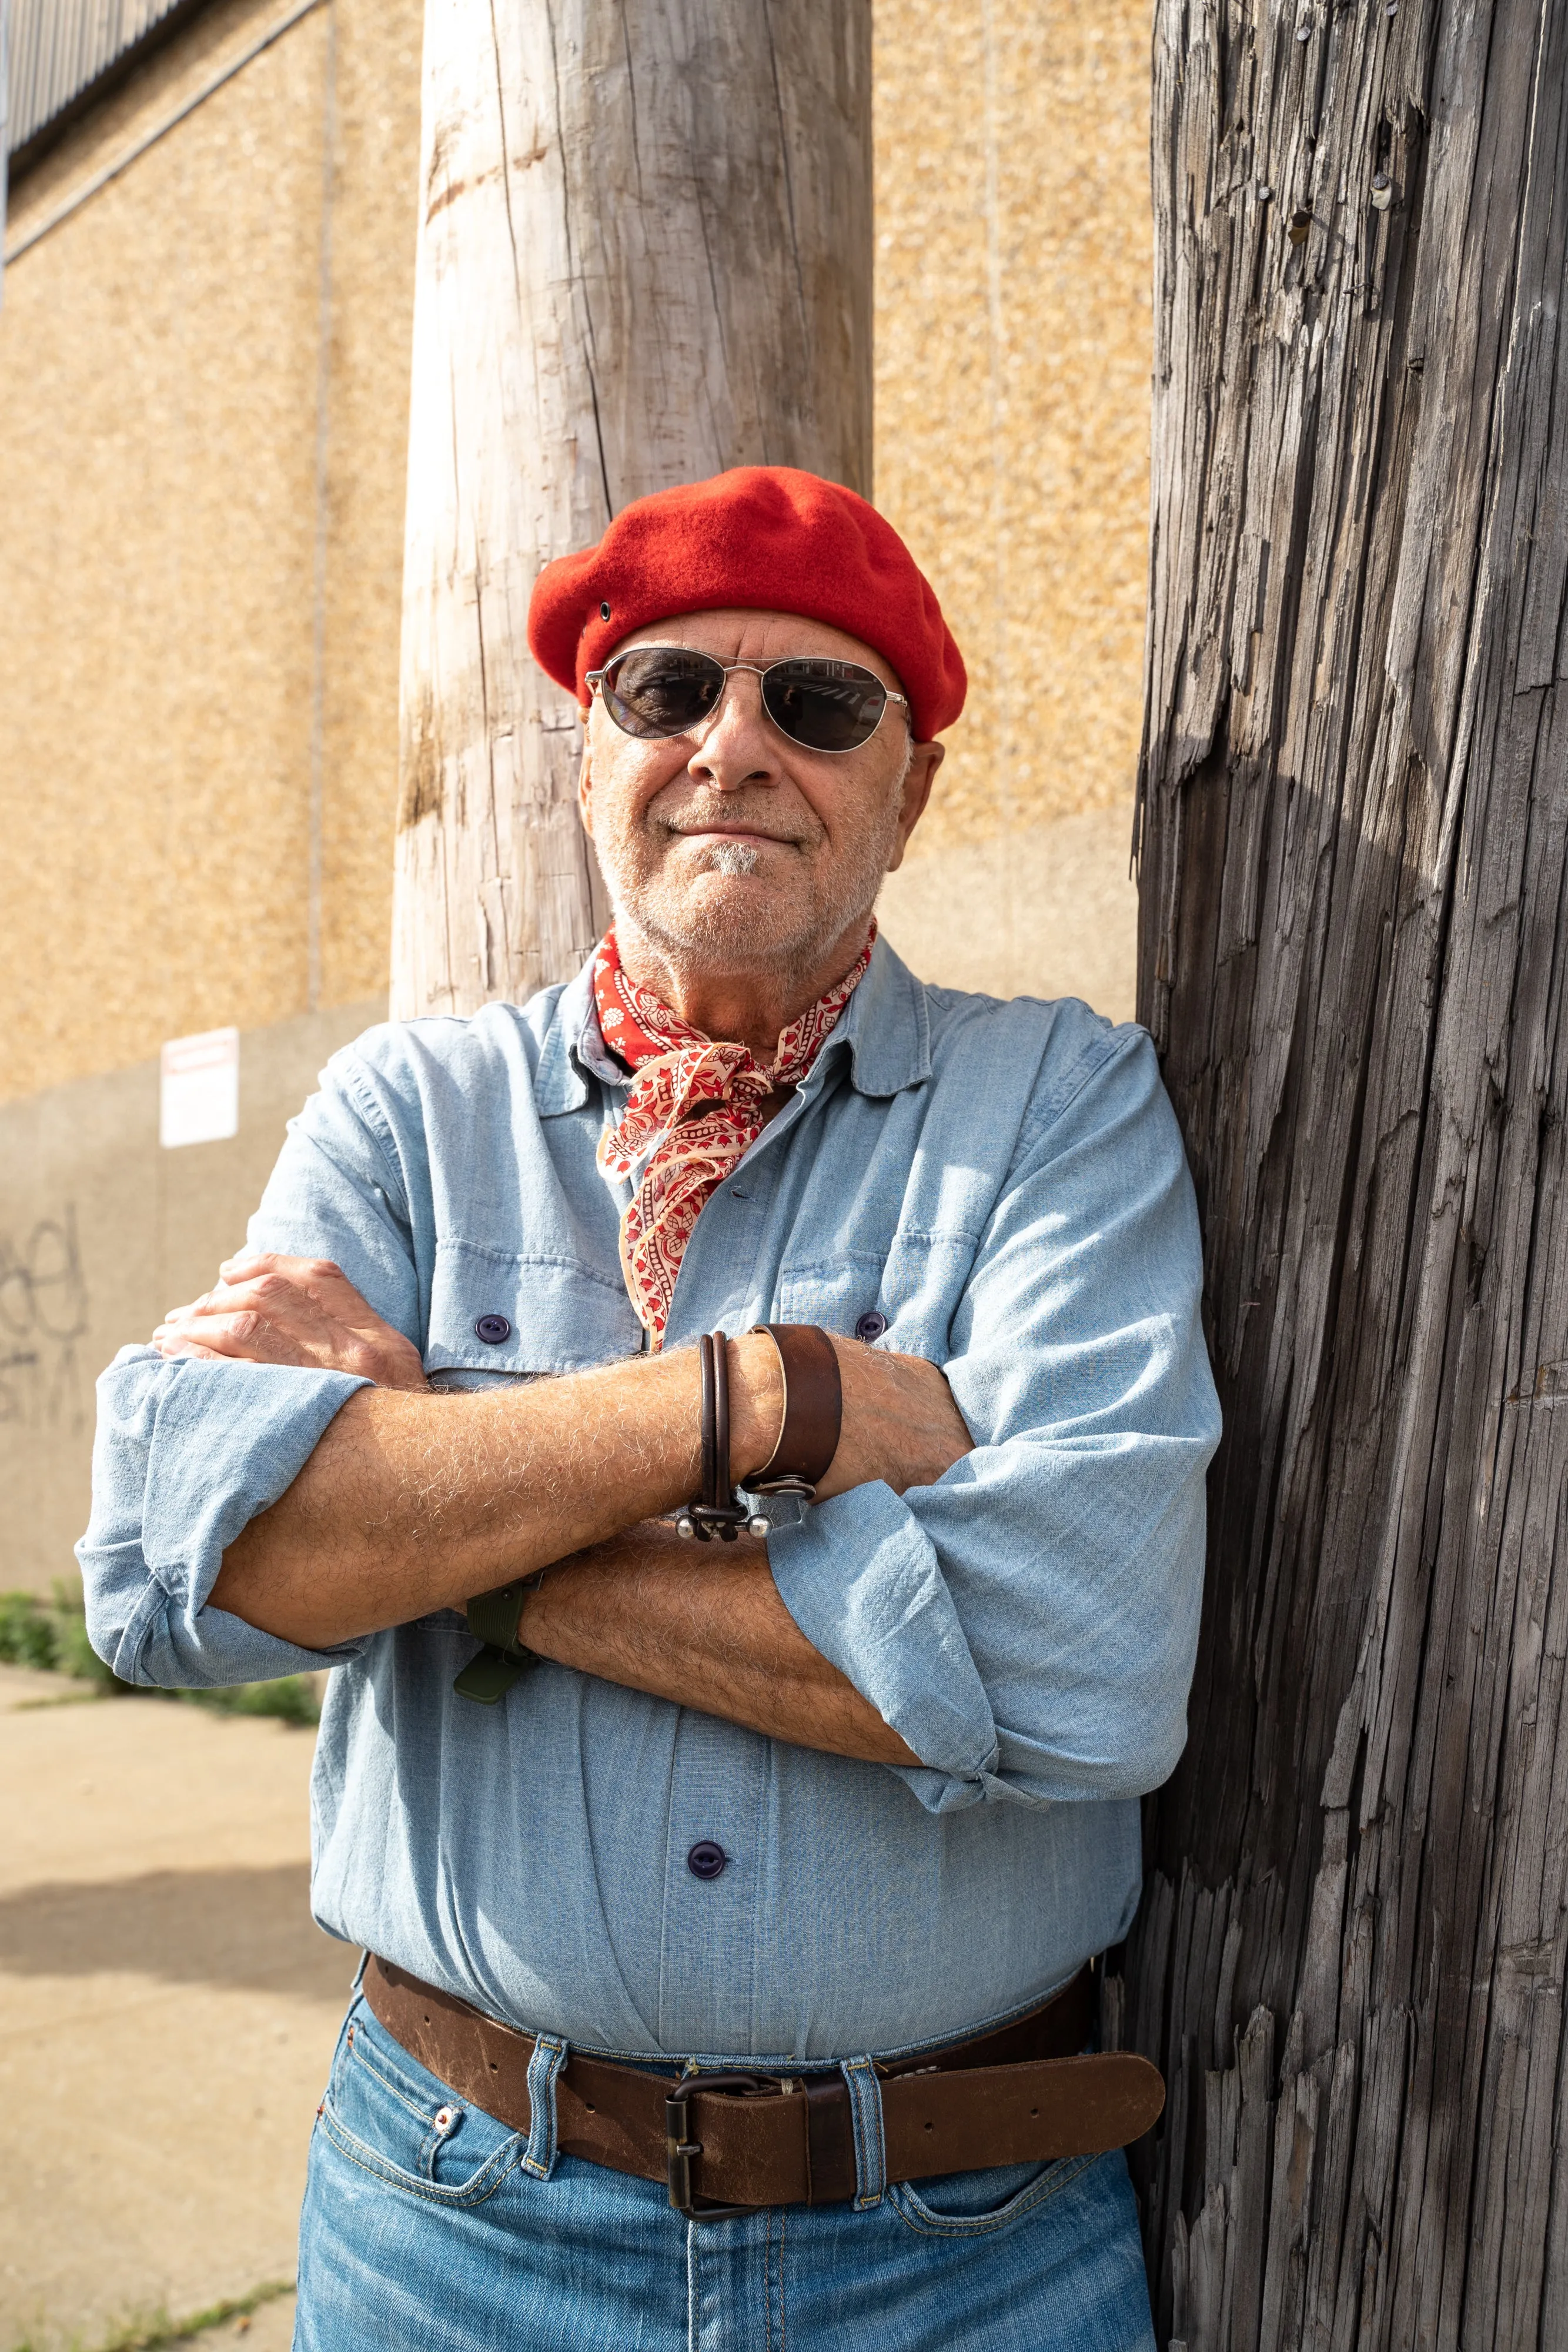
x=169 y=2013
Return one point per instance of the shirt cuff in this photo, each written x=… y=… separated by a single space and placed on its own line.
x=861 y=1580
x=189 y=1450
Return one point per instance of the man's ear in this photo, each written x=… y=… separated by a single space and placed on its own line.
x=585 y=783
x=924 y=762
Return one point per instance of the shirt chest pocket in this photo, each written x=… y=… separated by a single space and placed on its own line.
x=844 y=1295
x=905 y=1299
x=511 y=1316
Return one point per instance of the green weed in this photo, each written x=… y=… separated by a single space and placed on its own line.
x=159 y=2333
x=50 y=1636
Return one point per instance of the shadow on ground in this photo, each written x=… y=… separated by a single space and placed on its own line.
x=243 y=1927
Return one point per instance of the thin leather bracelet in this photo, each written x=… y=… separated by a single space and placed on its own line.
x=716 y=1511
x=813 y=1412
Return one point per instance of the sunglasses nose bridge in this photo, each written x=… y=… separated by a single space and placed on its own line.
x=701 y=734
x=723 y=701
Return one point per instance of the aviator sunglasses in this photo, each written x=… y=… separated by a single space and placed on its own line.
x=822 y=704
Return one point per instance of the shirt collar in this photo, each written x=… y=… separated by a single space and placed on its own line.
x=884 y=1029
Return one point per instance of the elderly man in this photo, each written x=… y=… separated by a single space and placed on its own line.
x=726 y=1970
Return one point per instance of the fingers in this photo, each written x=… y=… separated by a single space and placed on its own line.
x=268 y=1318
x=246 y=1263
x=243 y=1333
x=304 y=1312
x=284 y=1297
x=269 y=1292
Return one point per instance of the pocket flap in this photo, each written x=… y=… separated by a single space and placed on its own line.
x=491 y=1312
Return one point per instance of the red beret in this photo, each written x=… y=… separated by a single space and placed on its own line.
x=768 y=538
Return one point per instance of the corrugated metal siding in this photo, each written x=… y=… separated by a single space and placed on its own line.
x=60 y=48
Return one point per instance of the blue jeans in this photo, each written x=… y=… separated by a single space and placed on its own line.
x=430 y=2227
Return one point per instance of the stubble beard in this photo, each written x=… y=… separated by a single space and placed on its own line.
x=717 y=933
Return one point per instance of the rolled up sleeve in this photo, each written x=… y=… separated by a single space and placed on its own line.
x=185 y=1454
x=188 y=1452
x=1028 y=1625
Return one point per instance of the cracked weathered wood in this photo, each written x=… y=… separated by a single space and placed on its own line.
x=1354 y=828
x=644 y=255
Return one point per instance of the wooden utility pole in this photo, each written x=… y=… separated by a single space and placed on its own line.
x=644 y=255
x=1353 y=956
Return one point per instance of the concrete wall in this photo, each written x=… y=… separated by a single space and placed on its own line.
x=100 y=1232
x=204 y=383
x=1013 y=340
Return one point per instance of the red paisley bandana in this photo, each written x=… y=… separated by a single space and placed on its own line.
x=694 y=1109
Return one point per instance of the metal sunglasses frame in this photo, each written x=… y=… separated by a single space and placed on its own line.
x=595 y=680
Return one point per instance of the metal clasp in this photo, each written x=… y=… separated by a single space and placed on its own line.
x=679 y=2150
x=725 y=1520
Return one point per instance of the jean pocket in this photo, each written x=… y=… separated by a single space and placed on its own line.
x=386 y=2112
x=973 y=2204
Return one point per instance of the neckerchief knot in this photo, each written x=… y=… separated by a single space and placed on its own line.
x=693 y=1111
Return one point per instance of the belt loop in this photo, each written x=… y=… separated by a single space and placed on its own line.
x=549 y=2058
x=866 y=2109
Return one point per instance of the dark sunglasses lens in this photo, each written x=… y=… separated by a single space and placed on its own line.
x=661 y=690
x=827 y=706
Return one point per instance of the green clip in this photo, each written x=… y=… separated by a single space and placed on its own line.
x=493 y=1620
x=490 y=1674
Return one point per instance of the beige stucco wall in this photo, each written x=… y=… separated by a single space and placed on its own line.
x=1013 y=339
x=204 y=387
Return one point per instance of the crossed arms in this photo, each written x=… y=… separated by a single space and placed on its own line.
x=1018 y=1615
x=413 y=1500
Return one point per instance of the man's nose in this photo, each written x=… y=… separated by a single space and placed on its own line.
x=741 y=745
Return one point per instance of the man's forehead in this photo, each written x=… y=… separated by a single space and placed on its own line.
x=740 y=634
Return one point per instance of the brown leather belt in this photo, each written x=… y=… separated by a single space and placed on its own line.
x=1020 y=2094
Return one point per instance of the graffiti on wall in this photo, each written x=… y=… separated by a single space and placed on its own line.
x=43 y=1318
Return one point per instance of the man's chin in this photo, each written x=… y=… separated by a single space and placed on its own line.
x=730 y=921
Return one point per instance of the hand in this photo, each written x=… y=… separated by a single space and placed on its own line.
x=304 y=1311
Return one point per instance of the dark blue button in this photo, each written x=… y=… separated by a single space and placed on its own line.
x=493 y=1329
x=870 y=1327
x=706 y=1860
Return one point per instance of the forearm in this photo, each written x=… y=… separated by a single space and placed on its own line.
x=410 y=1502
x=704 y=1627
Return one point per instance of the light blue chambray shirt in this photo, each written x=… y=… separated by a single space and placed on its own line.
x=1006 y=1185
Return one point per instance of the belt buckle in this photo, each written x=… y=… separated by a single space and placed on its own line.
x=679 y=2151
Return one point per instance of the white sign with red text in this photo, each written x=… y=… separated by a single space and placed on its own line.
x=198 y=1097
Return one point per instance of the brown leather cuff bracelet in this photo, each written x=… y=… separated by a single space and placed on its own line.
x=813 y=1412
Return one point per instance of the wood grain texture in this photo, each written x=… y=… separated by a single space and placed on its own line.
x=644 y=255
x=1354 y=826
